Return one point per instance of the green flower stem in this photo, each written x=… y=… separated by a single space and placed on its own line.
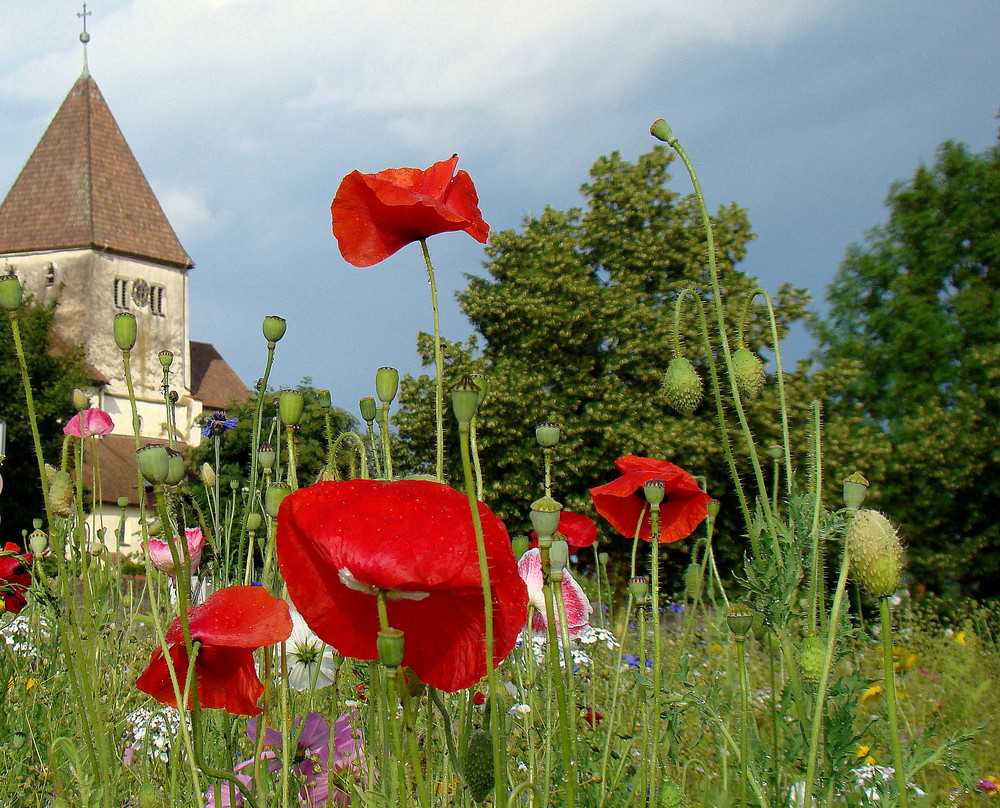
x=438 y=363
x=476 y=465
x=383 y=428
x=741 y=658
x=816 y=577
x=375 y=457
x=824 y=678
x=258 y=421
x=654 y=564
x=723 y=339
x=359 y=444
x=216 y=440
x=616 y=689
x=499 y=758
x=293 y=479
x=890 y=701
x=547 y=463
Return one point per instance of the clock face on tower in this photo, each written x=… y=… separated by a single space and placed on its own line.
x=140 y=292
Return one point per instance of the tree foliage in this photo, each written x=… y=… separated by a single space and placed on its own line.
x=575 y=321
x=915 y=312
x=54 y=369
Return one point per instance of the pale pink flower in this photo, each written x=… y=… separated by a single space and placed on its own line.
x=89 y=422
x=577 y=605
x=159 y=551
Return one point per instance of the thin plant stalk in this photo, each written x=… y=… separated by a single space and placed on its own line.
x=890 y=701
x=438 y=364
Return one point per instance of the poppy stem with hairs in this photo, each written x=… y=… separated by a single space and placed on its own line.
x=438 y=364
x=499 y=758
x=654 y=563
x=890 y=701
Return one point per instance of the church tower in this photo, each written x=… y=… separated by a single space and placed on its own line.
x=81 y=225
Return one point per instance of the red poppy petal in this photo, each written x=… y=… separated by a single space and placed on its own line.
x=580 y=530
x=631 y=463
x=463 y=200
x=240 y=617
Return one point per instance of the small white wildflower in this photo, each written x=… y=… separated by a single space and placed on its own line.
x=520 y=710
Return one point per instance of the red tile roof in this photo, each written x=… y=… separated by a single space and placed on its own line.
x=213 y=382
x=82 y=188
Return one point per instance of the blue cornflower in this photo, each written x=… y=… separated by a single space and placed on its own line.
x=217 y=423
x=633 y=661
x=676 y=608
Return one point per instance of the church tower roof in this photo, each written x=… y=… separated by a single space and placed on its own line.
x=82 y=188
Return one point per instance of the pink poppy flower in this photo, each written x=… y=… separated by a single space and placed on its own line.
x=89 y=422
x=159 y=551
x=578 y=607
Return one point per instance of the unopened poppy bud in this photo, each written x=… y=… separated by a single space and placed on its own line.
x=661 y=131
x=254 y=521
x=11 y=292
x=154 y=528
x=855 y=490
x=80 y=399
x=482 y=384
x=712 y=507
x=266 y=456
x=390 y=647
x=477 y=765
x=748 y=371
x=739 y=618
x=465 y=400
x=95 y=548
x=274 y=496
x=274 y=327
x=545 y=517
x=17 y=739
x=61 y=494
x=122 y=502
x=547 y=433
x=154 y=463
x=149 y=796
x=519 y=545
x=175 y=467
x=812 y=654
x=682 y=385
x=290 y=405
x=386 y=384
x=692 y=581
x=875 y=553
x=36 y=524
x=654 y=490
x=38 y=541
x=324 y=399
x=369 y=409
x=125 y=328
x=208 y=475
x=603 y=559
x=759 y=625
x=638 y=588
x=166 y=359
x=558 y=555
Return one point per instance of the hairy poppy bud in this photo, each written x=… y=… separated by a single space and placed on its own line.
x=875 y=553
x=208 y=475
x=812 y=653
x=692 y=581
x=477 y=765
x=290 y=406
x=748 y=371
x=274 y=327
x=149 y=797
x=11 y=292
x=80 y=400
x=386 y=384
x=125 y=328
x=61 y=494
x=547 y=434
x=682 y=385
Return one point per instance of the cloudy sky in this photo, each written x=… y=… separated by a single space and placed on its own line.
x=246 y=114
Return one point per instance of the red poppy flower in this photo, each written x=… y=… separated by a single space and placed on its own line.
x=15 y=577
x=340 y=543
x=621 y=501
x=579 y=531
x=374 y=215
x=230 y=625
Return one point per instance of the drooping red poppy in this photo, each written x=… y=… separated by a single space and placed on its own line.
x=340 y=543
x=621 y=501
x=15 y=577
x=578 y=529
x=230 y=625
x=374 y=215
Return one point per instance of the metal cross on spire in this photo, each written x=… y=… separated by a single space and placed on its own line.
x=84 y=36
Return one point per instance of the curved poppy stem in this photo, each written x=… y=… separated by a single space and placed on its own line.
x=438 y=364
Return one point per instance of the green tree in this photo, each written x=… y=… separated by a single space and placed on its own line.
x=54 y=369
x=575 y=320
x=915 y=311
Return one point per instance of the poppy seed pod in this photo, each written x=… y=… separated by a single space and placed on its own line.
x=175 y=467
x=482 y=384
x=254 y=521
x=38 y=541
x=547 y=433
x=368 y=408
x=390 y=647
x=324 y=399
x=465 y=400
x=266 y=456
x=519 y=545
x=558 y=555
x=875 y=553
x=855 y=490
x=166 y=359
x=638 y=588
x=682 y=385
x=739 y=618
x=122 y=502
x=545 y=514
x=290 y=406
x=713 y=507
x=386 y=384
x=661 y=131
x=748 y=371
x=125 y=329
x=654 y=491
x=603 y=559
x=154 y=463
x=11 y=292
x=274 y=328
x=274 y=496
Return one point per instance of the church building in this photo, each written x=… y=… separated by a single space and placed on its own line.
x=82 y=225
